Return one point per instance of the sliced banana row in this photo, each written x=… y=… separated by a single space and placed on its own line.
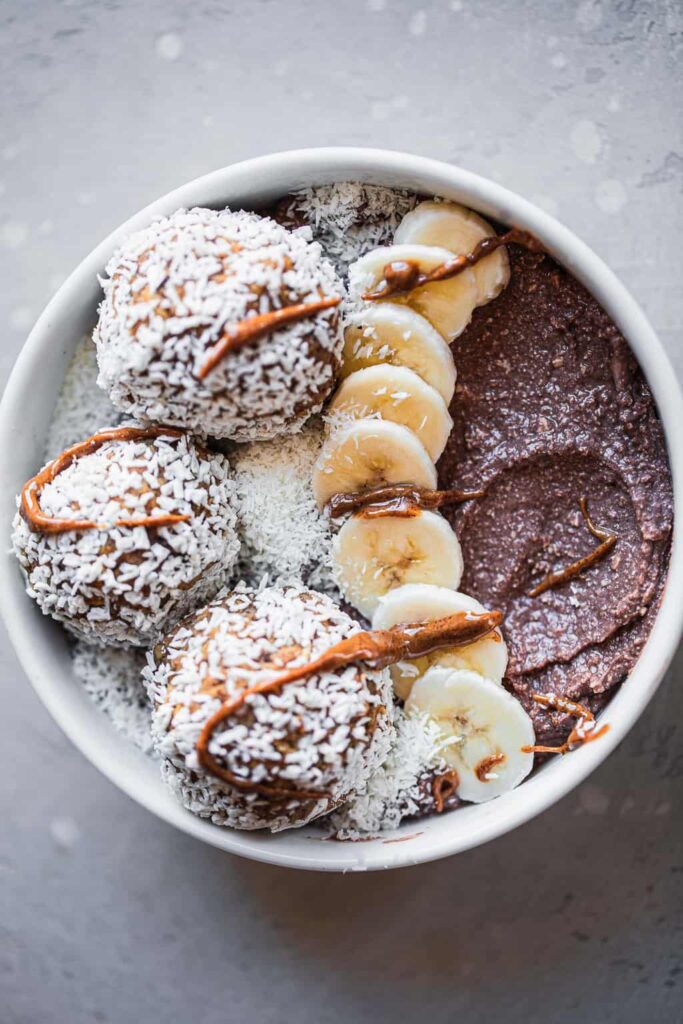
x=427 y=237
x=425 y=602
x=396 y=335
x=395 y=393
x=367 y=453
x=373 y=556
x=459 y=230
x=484 y=731
x=389 y=423
x=448 y=305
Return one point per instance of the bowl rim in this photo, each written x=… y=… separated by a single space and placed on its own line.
x=278 y=173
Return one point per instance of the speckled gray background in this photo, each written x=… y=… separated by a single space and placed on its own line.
x=108 y=915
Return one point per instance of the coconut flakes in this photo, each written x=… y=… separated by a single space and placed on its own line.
x=350 y=218
x=393 y=791
x=284 y=535
x=112 y=678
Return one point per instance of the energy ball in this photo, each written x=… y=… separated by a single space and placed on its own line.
x=293 y=753
x=223 y=323
x=123 y=534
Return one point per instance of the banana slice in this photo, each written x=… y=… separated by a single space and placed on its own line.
x=373 y=556
x=484 y=730
x=386 y=332
x=448 y=305
x=459 y=230
x=397 y=394
x=423 y=602
x=368 y=453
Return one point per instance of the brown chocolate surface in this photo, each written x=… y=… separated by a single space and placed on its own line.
x=551 y=405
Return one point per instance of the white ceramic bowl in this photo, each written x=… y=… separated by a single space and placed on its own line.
x=41 y=646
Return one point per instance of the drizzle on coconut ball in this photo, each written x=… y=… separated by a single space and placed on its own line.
x=322 y=735
x=124 y=533
x=224 y=323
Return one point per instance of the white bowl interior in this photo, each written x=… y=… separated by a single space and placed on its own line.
x=25 y=416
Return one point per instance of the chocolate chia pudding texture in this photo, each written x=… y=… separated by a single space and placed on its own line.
x=551 y=406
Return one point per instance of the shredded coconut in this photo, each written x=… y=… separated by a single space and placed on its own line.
x=112 y=677
x=324 y=733
x=171 y=291
x=81 y=406
x=349 y=218
x=284 y=536
x=393 y=791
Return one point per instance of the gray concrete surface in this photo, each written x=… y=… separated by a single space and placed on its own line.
x=106 y=914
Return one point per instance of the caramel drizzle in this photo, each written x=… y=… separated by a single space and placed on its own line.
x=39 y=522
x=400 y=500
x=485 y=766
x=380 y=648
x=607 y=542
x=401 y=277
x=444 y=786
x=583 y=732
x=254 y=327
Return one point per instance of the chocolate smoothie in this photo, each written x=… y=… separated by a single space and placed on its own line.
x=552 y=407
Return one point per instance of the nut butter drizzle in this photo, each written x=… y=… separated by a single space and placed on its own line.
x=401 y=277
x=484 y=769
x=584 y=731
x=254 y=327
x=444 y=786
x=39 y=522
x=400 y=500
x=379 y=647
x=607 y=542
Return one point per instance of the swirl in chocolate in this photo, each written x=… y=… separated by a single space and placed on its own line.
x=380 y=648
x=30 y=494
x=402 y=276
x=607 y=542
x=254 y=327
x=400 y=500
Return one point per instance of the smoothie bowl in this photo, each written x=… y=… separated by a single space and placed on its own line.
x=341 y=488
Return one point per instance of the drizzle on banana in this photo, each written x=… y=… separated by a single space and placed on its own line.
x=400 y=500
x=401 y=277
